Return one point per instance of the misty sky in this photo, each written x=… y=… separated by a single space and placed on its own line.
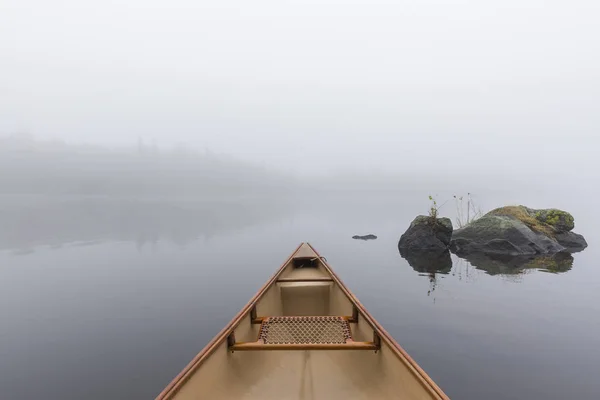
x=464 y=85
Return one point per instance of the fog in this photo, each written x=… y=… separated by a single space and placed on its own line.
x=159 y=159
x=313 y=87
x=54 y=168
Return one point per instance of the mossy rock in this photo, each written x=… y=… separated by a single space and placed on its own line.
x=526 y=216
x=560 y=220
x=519 y=230
x=547 y=221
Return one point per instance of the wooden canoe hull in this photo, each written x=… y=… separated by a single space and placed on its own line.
x=313 y=372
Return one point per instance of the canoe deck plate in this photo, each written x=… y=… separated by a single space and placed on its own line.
x=304 y=330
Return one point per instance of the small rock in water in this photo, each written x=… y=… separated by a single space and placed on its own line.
x=365 y=237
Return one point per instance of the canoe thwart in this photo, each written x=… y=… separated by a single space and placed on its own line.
x=247 y=346
x=353 y=319
x=305 y=333
x=315 y=279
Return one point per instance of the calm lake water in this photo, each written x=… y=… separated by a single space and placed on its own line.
x=108 y=298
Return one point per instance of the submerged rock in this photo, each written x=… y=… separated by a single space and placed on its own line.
x=365 y=237
x=518 y=230
x=425 y=233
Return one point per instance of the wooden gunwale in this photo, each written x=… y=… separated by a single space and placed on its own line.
x=193 y=365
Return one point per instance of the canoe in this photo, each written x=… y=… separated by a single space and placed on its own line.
x=304 y=335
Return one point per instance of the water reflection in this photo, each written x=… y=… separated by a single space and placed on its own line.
x=511 y=265
x=432 y=263
x=87 y=221
x=428 y=263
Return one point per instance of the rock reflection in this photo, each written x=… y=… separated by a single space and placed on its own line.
x=495 y=264
x=432 y=264
x=429 y=263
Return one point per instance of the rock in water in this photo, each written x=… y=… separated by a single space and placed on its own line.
x=365 y=237
x=518 y=230
x=424 y=233
x=502 y=235
x=572 y=242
